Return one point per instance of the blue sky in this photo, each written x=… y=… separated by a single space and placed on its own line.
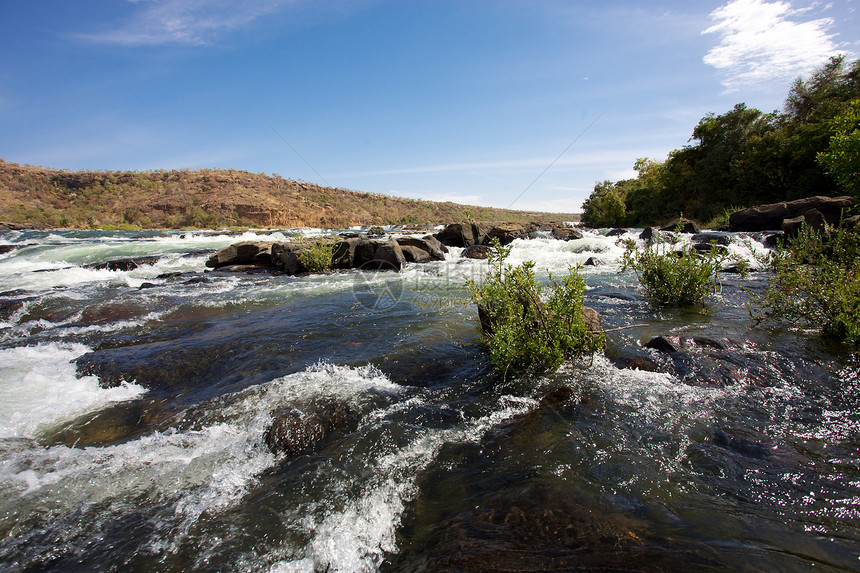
x=505 y=103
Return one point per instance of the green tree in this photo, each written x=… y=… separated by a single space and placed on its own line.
x=605 y=207
x=842 y=157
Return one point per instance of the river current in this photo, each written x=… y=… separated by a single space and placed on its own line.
x=134 y=404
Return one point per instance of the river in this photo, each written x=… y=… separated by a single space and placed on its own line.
x=134 y=404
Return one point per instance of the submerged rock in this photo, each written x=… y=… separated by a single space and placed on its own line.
x=123 y=264
x=295 y=431
x=549 y=528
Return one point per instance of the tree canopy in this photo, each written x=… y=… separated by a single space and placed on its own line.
x=745 y=157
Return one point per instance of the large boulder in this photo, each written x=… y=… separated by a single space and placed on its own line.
x=295 y=431
x=459 y=235
x=770 y=217
x=428 y=244
x=415 y=255
x=354 y=252
x=389 y=256
x=244 y=253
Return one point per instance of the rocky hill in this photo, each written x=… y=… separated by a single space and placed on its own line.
x=212 y=198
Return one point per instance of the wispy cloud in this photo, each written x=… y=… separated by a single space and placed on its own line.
x=534 y=164
x=195 y=22
x=763 y=41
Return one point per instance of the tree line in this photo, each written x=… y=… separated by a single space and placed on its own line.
x=746 y=157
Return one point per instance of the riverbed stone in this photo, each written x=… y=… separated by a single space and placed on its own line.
x=476 y=252
x=294 y=431
x=769 y=217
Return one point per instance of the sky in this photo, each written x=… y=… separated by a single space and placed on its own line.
x=504 y=103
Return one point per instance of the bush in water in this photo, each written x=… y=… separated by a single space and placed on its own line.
x=317 y=256
x=816 y=281
x=524 y=331
x=674 y=277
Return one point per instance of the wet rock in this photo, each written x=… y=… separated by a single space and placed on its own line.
x=707 y=238
x=476 y=252
x=145 y=286
x=637 y=363
x=566 y=234
x=662 y=344
x=169 y=276
x=649 y=234
x=10 y=307
x=705 y=248
x=735 y=440
x=123 y=264
x=7 y=249
x=617 y=232
x=244 y=253
x=376 y=231
x=197 y=280
x=685 y=225
x=593 y=262
x=294 y=431
x=428 y=244
x=532 y=528
x=415 y=255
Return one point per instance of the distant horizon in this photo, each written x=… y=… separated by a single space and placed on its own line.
x=509 y=105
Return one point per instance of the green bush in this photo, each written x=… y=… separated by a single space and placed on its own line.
x=317 y=256
x=816 y=282
x=524 y=332
x=674 y=277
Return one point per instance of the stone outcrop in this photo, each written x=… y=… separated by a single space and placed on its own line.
x=770 y=217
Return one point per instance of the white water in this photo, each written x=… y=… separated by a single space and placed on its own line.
x=39 y=388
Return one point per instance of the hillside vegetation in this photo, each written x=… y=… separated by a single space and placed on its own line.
x=746 y=157
x=212 y=198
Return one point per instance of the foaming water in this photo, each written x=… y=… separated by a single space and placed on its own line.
x=39 y=388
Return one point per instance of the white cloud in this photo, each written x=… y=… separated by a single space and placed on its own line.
x=195 y=22
x=760 y=43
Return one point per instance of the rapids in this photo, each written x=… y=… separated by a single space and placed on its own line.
x=132 y=421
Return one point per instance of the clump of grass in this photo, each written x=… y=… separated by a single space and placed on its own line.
x=317 y=255
x=524 y=330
